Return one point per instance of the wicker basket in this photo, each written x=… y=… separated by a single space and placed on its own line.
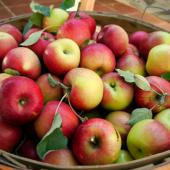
x=150 y=162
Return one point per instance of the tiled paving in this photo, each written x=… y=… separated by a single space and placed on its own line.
x=10 y=8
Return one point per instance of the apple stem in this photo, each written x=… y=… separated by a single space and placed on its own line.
x=56 y=111
x=78 y=9
x=55 y=83
x=82 y=119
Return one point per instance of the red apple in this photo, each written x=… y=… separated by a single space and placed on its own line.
x=115 y=37
x=148 y=137
x=40 y=46
x=61 y=55
x=63 y=157
x=23 y=60
x=21 y=100
x=98 y=58
x=44 y=121
x=137 y=38
x=132 y=63
x=49 y=91
x=12 y=30
x=154 y=38
x=10 y=136
x=86 y=88
x=157 y=99
x=87 y=18
x=7 y=43
x=117 y=94
x=28 y=149
x=131 y=49
x=120 y=119
x=96 y=142
x=75 y=29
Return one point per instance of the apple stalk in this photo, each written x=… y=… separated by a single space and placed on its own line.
x=67 y=89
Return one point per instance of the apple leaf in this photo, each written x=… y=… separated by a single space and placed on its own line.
x=66 y=4
x=32 y=39
x=27 y=26
x=166 y=76
x=140 y=114
x=36 y=19
x=142 y=82
x=37 y=8
x=54 y=138
x=127 y=75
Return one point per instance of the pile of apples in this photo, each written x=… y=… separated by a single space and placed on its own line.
x=76 y=71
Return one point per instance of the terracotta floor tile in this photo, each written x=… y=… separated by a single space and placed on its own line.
x=4 y=13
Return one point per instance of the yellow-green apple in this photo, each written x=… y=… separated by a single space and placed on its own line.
x=63 y=157
x=10 y=136
x=75 y=29
x=22 y=60
x=12 y=30
x=117 y=94
x=154 y=38
x=148 y=137
x=131 y=49
x=55 y=20
x=137 y=38
x=115 y=37
x=7 y=43
x=157 y=61
x=96 y=142
x=28 y=149
x=86 y=88
x=164 y=118
x=21 y=100
x=124 y=156
x=40 y=46
x=120 y=119
x=61 y=55
x=98 y=57
x=132 y=63
x=44 y=121
x=157 y=99
x=49 y=91
x=3 y=76
x=87 y=18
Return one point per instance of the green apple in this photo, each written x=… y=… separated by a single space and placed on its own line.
x=124 y=156
x=55 y=20
x=157 y=60
x=86 y=88
x=148 y=137
x=164 y=118
x=117 y=94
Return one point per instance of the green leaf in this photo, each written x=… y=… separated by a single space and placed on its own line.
x=36 y=19
x=27 y=26
x=12 y=71
x=54 y=138
x=37 y=8
x=66 y=4
x=166 y=76
x=32 y=39
x=142 y=83
x=140 y=114
x=127 y=75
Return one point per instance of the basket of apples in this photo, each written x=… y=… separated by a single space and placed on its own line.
x=83 y=90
